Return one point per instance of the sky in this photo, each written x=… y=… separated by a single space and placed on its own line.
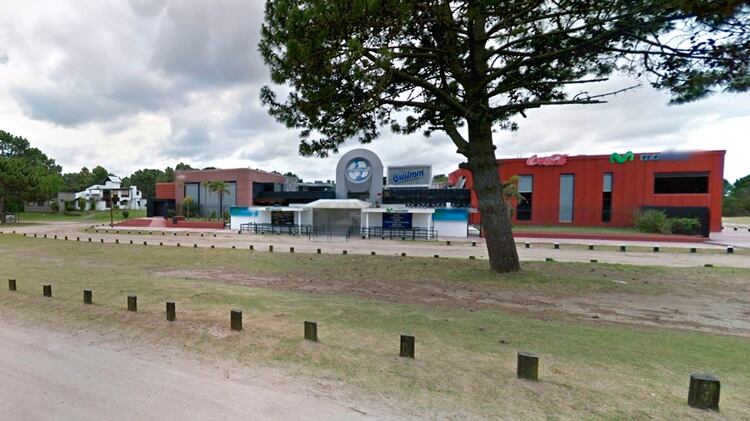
x=150 y=83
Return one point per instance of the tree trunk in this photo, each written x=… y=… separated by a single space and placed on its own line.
x=496 y=226
x=2 y=209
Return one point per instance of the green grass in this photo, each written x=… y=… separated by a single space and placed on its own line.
x=744 y=220
x=93 y=216
x=465 y=357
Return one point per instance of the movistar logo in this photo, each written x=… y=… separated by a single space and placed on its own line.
x=407 y=175
x=621 y=159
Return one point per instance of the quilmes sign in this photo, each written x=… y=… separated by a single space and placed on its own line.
x=410 y=175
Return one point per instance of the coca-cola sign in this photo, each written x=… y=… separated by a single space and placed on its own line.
x=547 y=161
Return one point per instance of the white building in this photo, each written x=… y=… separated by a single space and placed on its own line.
x=124 y=197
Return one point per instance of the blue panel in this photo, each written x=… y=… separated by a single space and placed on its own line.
x=238 y=211
x=461 y=215
x=397 y=220
x=567 y=187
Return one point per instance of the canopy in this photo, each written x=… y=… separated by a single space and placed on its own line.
x=337 y=204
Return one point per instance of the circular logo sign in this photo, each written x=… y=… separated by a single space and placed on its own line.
x=358 y=170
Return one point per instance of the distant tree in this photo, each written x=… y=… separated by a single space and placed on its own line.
x=220 y=188
x=98 y=175
x=737 y=201
x=182 y=166
x=469 y=67
x=26 y=174
x=167 y=176
x=145 y=180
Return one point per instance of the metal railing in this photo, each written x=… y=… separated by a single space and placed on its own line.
x=255 y=228
x=418 y=233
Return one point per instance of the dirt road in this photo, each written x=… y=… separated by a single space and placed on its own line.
x=459 y=249
x=49 y=375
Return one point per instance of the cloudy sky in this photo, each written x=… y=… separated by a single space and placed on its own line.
x=149 y=83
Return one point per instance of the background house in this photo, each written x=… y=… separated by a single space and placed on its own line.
x=112 y=190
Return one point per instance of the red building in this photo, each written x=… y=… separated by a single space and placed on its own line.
x=244 y=184
x=607 y=190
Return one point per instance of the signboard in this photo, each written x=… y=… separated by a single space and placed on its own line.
x=547 y=161
x=410 y=175
x=617 y=158
x=665 y=156
x=397 y=220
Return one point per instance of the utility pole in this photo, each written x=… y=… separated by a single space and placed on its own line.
x=111 y=211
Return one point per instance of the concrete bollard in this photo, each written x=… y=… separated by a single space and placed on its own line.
x=311 y=331
x=291 y=249
x=623 y=248
x=171 y=315
x=47 y=290
x=319 y=251
x=656 y=249
x=527 y=245
x=591 y=246
x=132 y=303
x=344 y=252
x=407 y=346
x=270 y=249
x=730 y=250
x=557 y=246
x=87 y=298
x=528 y=366
x=236 y=319
x=704 y=392
x=11 y=284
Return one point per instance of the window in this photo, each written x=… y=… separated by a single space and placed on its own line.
x=607 y=197
x=525 y=189
x=681 y=183
x=567 y=187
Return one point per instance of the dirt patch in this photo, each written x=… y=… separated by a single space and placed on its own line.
x=706 y=308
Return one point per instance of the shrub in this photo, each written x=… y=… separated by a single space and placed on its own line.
x=685 y=226
x=92 y=204
x=70 y=206
x=213 y=215
x=226 y=215
x=189 y=207
x=171 y=213
x=55 y=207
x=125 y=214
x=652 y=221
x=82 y=204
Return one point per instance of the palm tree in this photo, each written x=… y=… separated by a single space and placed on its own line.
x=221 y=188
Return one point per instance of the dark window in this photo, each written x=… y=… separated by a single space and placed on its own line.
x=525 y=189
x=607 y=197
x=681 y=183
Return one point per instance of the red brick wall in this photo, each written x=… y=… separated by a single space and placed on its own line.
x=244 y=177
x=165 y=190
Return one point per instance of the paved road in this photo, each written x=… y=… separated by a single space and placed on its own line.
x=458 y=249
x=46 y=375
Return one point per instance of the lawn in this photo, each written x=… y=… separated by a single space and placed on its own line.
x=465 y=357
x=93 y=216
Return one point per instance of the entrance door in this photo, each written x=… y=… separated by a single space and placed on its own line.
x=567 y=188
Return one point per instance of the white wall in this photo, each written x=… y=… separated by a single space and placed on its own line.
x=451 y=228
x=421 y=220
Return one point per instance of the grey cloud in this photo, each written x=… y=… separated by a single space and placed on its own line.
x=147 y=8
x=3 y=58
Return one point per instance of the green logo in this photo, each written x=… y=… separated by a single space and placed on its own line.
x=621 y=159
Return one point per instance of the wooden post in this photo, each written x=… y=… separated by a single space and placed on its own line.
x=145 y=243
x=344 y=252
x=594 y=261
x=623 y=248
x=270 y=249
x=311 y=331
x=132 y=303
x=319 y=251
x=372 y=253
x=472 y=257
x=437 y=256
x=291 y=249
x=557 y=245
x=527 y=245
x=656 y=249
x=403 y=254
x=131 y=241
x=473 y=243
x=236 y=319
x=591 y=246
x=708 y=265
x=447 y=243
x=407 y=346
x=195 y=246
x=11 y=284
x=87 y=299
x=704 y=392
x=47 y=290
x=212 y=246
x=528 y=366
x=171 y=314
x=693 y=250
x=730 y=250
x=251 y=247
x=117 y=241
x=178 y=244
x=549 y=259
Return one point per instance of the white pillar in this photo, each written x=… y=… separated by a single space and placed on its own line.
x=367 y=223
